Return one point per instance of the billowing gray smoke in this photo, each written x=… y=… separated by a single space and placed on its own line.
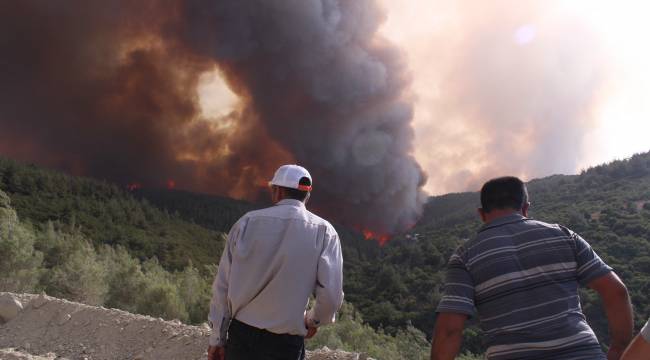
x=108 y=89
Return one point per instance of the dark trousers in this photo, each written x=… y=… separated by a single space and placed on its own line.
x=247 y=342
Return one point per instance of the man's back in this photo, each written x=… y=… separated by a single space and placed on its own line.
x=274 y=260
x=274 y=265
x=522 y=277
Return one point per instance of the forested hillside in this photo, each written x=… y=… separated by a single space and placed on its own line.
x=108 y=215
x=390 y=287
x=92 y=242
x=220 y=213
x=400 y=284
x=608 y=205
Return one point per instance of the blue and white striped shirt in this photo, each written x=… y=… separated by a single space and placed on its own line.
x=521 y=278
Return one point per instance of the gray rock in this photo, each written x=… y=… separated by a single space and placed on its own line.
x=10 y=307
x=39 y=301
x=64 y=319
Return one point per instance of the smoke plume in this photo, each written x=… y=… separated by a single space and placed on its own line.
x=504 y=87
x=109 y=89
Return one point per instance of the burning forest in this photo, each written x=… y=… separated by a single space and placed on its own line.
x=109 y=90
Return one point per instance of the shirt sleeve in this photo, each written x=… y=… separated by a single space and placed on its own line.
x=458 y=294
x=645 y=332
x=220 y=312
x=329 y=283
x=589 y=265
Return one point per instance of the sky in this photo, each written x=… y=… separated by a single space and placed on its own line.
x=528 y=88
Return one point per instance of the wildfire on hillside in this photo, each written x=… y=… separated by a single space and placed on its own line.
x=382 y=239
x=113 y=89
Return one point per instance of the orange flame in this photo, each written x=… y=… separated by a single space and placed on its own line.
x=381 y=238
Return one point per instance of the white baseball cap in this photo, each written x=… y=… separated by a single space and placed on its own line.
x=289 y=176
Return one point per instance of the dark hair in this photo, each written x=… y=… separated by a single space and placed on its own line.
x=506 y=192
x=295 y=193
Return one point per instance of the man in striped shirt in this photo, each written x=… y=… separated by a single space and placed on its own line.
x=521 y=277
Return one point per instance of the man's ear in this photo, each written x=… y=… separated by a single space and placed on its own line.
x=481 y=213
x=524 y=209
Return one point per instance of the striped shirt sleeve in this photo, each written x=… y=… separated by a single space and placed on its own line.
x=589 y=265
x=458 y=295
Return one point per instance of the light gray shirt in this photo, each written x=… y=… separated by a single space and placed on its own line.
x=274 y=259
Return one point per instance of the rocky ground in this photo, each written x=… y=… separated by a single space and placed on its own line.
x=39 y=327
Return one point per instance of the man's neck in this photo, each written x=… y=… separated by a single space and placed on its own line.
x=499 y=213
x=286 y=199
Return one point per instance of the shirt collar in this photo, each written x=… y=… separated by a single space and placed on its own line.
x=291 y=202
x=508 y=219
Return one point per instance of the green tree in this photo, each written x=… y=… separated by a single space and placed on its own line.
x=160 y=297
x=195 y=292
x=349 y=332
x=77 y=275
x=124 y=278
x=19 y=262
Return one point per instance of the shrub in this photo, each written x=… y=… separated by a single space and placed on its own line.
x=160 y=296
x=19 y=262
x=124 y=278
x=79 y=276
x=195 y=292
x=352 y=334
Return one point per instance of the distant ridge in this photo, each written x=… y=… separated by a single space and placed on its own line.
x=217 y=213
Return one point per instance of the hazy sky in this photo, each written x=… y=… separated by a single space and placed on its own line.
x=530 y=88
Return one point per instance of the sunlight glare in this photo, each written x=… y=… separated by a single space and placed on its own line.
x=215 y=97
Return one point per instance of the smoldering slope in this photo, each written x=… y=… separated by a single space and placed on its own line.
x=109 y=89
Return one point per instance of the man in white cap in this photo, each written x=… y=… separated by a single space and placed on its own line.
x=274 y=259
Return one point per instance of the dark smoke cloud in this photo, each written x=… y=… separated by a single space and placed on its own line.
x=109 y=89
x=90 y=88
